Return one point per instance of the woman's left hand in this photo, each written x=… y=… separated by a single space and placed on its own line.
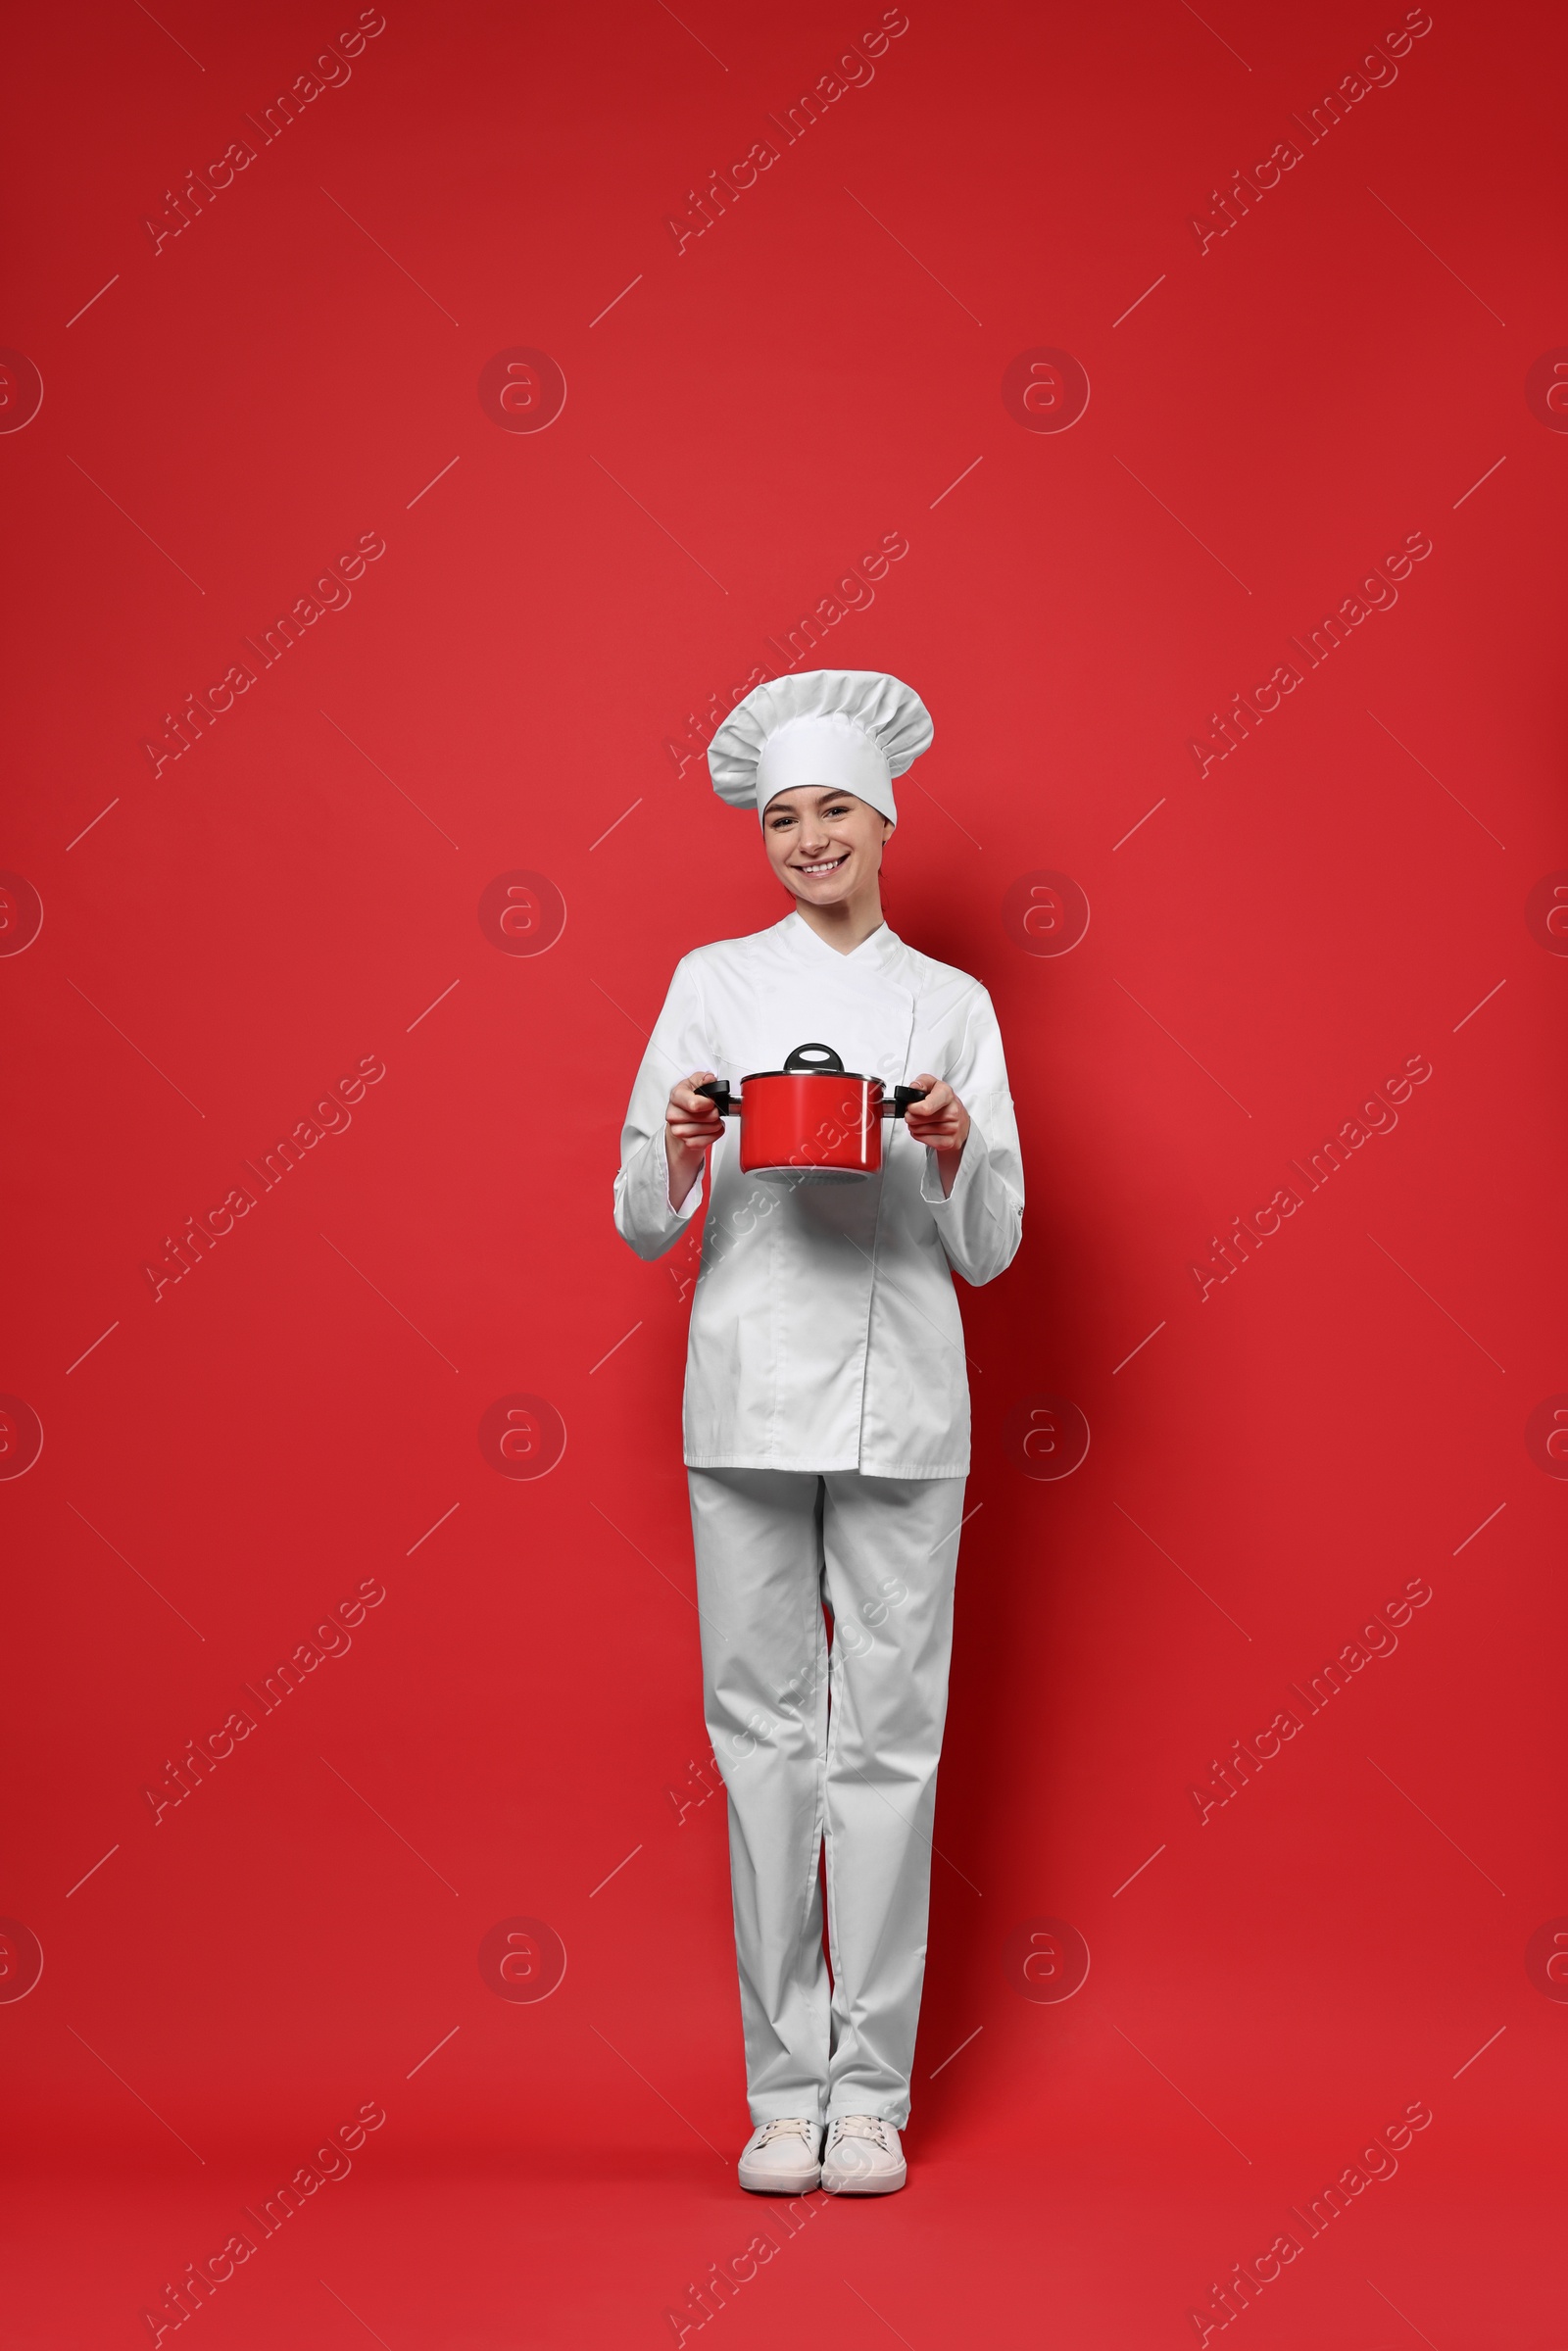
x=940 y=1121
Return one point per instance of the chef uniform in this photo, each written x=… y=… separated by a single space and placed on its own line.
x=827 y=1424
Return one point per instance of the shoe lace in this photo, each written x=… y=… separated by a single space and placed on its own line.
x=783 y=2125
x=863 y=2126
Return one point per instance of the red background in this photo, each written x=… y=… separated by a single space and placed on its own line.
x=1269 y=418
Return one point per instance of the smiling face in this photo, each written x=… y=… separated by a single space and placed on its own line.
x=825 y=846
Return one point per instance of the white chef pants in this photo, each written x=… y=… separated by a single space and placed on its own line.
x=847 y=1752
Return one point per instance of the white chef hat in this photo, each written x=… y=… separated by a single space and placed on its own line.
x=852 y=729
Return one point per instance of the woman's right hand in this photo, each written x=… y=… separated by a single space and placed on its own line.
x=692 y=1122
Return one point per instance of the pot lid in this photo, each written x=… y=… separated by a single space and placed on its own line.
x=858 y=1076
x=811 y=1061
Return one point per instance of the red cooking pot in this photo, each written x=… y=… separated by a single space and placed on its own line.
x=813 y=1115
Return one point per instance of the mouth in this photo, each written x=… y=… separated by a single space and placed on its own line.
x=828 y=866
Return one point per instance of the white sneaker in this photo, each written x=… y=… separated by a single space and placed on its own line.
x=862 y=2156
x=781 y=2158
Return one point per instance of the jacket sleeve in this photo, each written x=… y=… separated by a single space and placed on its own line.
x=981 y=1221
x=679 y=1044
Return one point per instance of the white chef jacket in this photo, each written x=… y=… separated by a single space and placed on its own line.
x=825 y=1334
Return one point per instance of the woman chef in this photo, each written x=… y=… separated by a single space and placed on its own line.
x=827 y=1415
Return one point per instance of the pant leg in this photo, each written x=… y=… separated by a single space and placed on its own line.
x=758 y=1538
x=889 y=1547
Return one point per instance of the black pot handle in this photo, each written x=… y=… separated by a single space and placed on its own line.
x=719 y=1093
x=809 y=1060
x=904 y=1095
